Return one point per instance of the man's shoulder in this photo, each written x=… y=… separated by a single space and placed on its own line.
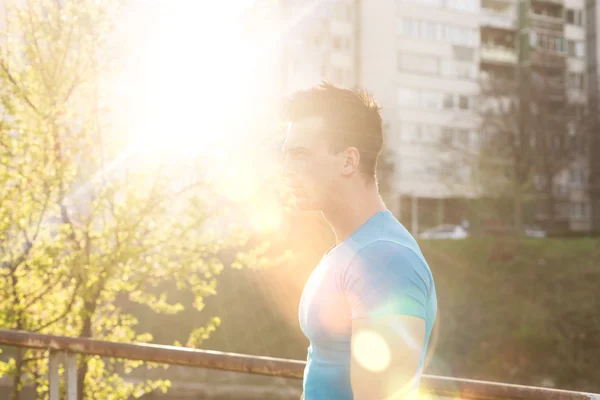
x=382 y=250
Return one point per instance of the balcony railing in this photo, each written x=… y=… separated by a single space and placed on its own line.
x=548 y=59
x=546 y=22
x=65 y=349
x=498 y=20
x=559 y=2
x=498 y=54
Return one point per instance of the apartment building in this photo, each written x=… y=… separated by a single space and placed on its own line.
x=420 y=59
x=319 y=41
x=423 y=60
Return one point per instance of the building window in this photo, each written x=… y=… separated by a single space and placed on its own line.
x=580 y=49
x=570 y=15
x=408 y=97
x=579 y=210
x=474 y=139
x=435 y=135
x=432 y=100
x=448 y=101
x=578 y=177
x=430 y=134
x=458 y=69
x=430 y=30
x=456 y=35
x=576 y=48
x=410 y=27
x=447 y=137
x=463 y=102
x=558 y=44
x=461 y=137
x=418 y=63
x=549 y=42
x=574 y=17
x=409 y=133
x=575 y=80
x=438 y=66
x=409 y=62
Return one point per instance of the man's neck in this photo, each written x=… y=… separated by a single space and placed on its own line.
x=346 y=216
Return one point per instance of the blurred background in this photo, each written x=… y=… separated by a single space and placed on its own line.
x=141 y=198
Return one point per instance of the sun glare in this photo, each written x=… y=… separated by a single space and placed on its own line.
x=266 y=218
x=195 y=75
x=371 y=351
x=191 y=85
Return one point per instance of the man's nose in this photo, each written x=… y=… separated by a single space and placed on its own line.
x=288 y=174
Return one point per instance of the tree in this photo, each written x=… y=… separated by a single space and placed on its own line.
x=594 y=158
x=83 y=220
x=530 y=131
x=561 y=130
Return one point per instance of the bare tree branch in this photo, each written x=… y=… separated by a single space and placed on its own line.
x=64 y=313
x=32 y=25
x=51 y=285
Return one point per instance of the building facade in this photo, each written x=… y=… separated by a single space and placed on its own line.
x=424 y=61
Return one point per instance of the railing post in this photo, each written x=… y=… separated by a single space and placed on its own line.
x=71 y=375
x=53 y=375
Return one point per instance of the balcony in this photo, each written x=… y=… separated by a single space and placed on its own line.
x=546 y=22
x=548 y=60
x=550 y=2
x=498 y=54
x=547 y=15
x=501 y=20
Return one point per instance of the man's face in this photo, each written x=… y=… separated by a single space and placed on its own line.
x=313 y=172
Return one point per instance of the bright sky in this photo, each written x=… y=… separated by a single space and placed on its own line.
x=190 y=83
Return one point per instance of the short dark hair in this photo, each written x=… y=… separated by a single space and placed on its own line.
x=351 y=118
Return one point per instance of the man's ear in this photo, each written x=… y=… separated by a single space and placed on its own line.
x=351 y=159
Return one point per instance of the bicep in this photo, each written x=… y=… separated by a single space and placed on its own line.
x=386 y=352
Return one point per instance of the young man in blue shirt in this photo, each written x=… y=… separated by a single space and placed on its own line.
x=369 y=306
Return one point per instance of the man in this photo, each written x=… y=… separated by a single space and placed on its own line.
x=369 y=306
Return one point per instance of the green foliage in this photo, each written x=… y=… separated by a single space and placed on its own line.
x=509 y=310
x=82 y=222
x=518 y=311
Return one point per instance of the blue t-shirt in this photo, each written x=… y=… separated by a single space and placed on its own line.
x=379 y=270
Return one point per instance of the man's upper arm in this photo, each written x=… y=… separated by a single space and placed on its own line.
x=385 y=356
x=387 y=287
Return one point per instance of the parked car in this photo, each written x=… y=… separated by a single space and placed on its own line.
x=534 y=231
x=445 y=232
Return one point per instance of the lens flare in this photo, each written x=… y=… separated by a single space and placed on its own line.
x=371 y=351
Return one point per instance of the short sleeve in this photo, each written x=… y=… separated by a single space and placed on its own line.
x=386 y=278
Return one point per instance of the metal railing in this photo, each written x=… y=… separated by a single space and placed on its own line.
x=64 y=350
